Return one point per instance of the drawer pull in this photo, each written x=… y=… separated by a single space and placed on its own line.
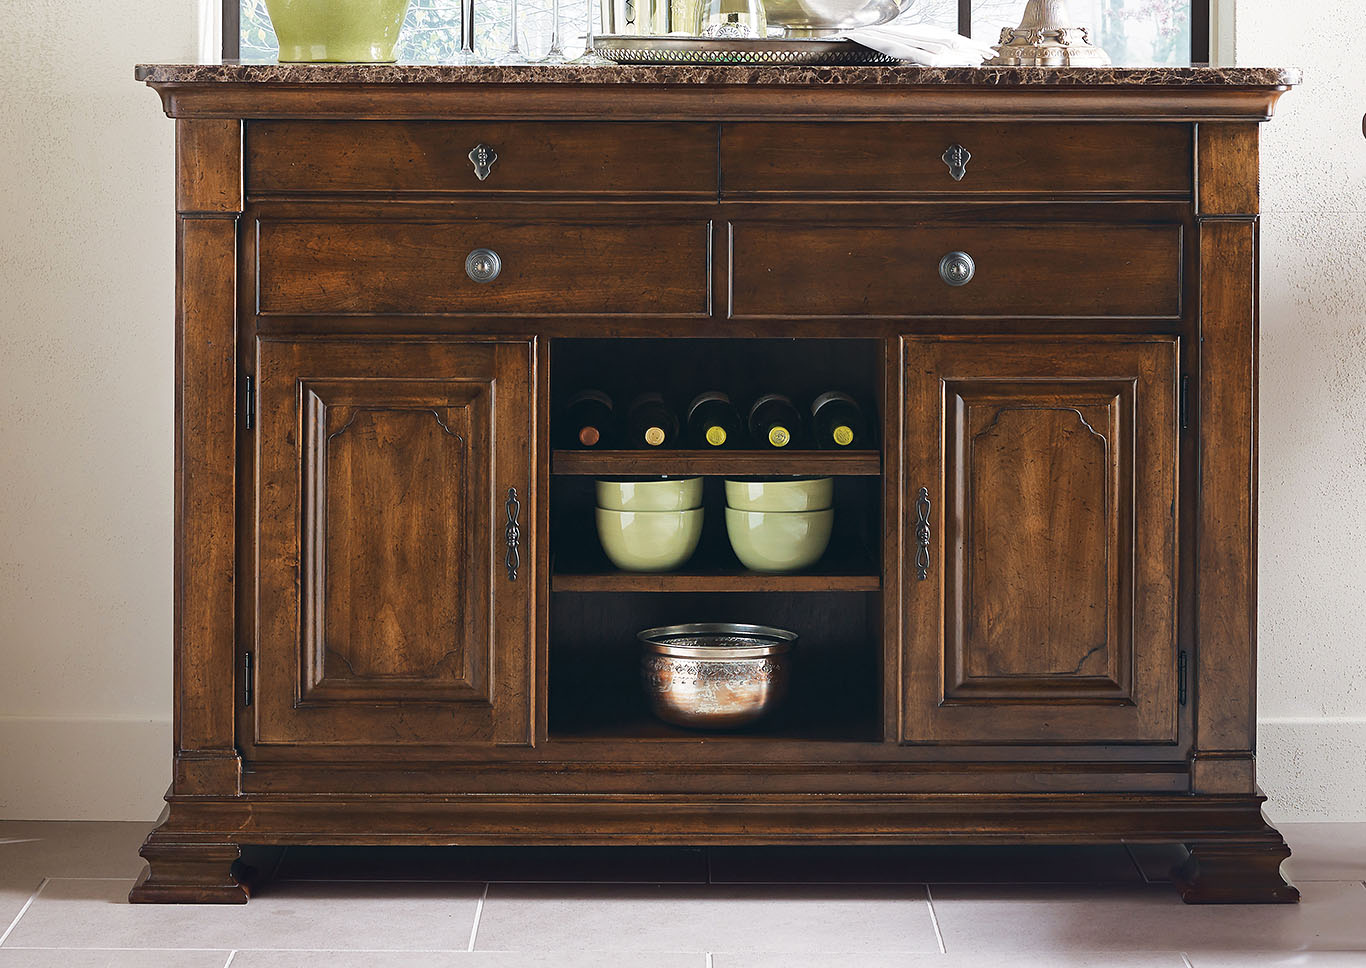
x=957 y=268
x=922 y=534
x=483 y=265
x=957 y=158
x=482 y=158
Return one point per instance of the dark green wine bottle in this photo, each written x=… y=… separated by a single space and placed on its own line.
x=775 y=422
x=588 y=420
x=713 y=421
x=650 y=423
x=837 y=422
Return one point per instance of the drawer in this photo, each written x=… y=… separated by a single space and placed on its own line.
x=434 y=156
x=547 y=268
x=909 y=158
x=1064 y=269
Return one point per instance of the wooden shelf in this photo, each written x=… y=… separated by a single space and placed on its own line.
x=738 y=463
x=713 y=581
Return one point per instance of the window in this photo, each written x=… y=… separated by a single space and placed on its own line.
x=1133 y=32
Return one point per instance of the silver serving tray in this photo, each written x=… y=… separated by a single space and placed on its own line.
x=636 y=49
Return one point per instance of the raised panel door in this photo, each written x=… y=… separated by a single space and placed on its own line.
x=387 y=613
x=1046 y=537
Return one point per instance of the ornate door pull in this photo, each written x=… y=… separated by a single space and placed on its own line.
x=514 y=534
x=482 y=158
x=922 y=534
x=957 y=158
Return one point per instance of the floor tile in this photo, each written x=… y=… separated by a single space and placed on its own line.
x=460 y=959
x=94 y=914
x=72 y=849
x=920 y=865
x=1280 y=959
x=1325 y=851
x=694 y=918
x=1155 y=861
x=1051 y=959
x=126 y=958
x=15 y=890
x=638 y=865
x=1332 y=916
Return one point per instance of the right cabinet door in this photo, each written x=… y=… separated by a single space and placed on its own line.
x=1040 y=575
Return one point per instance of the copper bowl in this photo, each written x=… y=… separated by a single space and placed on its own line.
x=715 y=675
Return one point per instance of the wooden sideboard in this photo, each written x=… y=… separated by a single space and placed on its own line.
x=1038 y=621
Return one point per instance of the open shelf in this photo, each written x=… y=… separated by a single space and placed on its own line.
x=732 y=463
x=713 y=581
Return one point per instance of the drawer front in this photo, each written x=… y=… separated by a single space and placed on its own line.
x=547 y=268
x=783 y=269
x=1001 y=158
x=434 y=156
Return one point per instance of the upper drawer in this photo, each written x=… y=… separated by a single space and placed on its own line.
x=610 y=158
x=546 y=268
x=1063 y=269
x=1002 y=158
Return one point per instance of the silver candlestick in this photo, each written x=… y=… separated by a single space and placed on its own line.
x=1045 y=38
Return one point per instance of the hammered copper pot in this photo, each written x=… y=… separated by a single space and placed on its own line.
x=715 y=675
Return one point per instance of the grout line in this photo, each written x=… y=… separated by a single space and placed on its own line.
x=478 y=913
x=231 y=955
x=1142 y=874
x=22 y=911
x=1186 y=958
x=709 y=964
x=934 y=920
x=707 y=854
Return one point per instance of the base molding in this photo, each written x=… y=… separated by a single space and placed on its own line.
x=190 y=874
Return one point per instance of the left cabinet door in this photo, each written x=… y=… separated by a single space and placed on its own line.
x=393 y=567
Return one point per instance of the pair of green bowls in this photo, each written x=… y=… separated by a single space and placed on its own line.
x=337 y=31
x=780 y=526
x=774 y=526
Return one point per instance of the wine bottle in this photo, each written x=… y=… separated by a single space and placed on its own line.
x=588 y=420
x=837 y=422
x=774 y=422
x=713 y=421
x=650 y=423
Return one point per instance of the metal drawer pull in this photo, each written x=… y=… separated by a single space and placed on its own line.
x=957 y=268
x=957 y=158
x=482 y=158
x=514 y=534
x=483 y=265
x=922 y=534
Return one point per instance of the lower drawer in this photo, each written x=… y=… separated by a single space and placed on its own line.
x=1070 y=269
x=544 y=268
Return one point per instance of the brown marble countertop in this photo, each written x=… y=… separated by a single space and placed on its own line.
x=908 y=75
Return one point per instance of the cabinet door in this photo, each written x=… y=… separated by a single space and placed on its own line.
x=387 y=611
x=1041 y=556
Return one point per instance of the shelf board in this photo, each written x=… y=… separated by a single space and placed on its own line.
x=738 y=463
x=713 y=581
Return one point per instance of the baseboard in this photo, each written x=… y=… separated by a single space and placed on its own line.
x=1313 y=769
x=117 y=769
x=83 y=769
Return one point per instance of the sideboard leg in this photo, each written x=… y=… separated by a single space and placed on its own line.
x=1226 y=873
x=190 y=874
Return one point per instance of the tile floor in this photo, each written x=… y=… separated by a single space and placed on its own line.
x=63 y=888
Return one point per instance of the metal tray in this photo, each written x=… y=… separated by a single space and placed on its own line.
x=636 y=49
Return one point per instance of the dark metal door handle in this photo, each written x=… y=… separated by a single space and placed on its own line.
x=514 y=534
x=922 y=534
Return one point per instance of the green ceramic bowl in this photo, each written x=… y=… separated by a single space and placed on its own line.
x=791 y=494
x=337 y=31
x=682 y=494
x=649 y=540
x=775 y=542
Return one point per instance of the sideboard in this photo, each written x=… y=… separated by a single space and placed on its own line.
x=391 y=626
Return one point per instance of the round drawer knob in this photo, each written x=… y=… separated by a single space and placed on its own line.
x=483 y=265
x=957 y=268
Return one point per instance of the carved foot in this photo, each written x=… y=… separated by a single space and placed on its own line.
x=1235 y=874
x=190 y=874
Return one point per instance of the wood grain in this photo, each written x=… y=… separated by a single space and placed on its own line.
x=208 y=167
x=1228 y=171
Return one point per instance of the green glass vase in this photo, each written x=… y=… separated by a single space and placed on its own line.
x=337 y=31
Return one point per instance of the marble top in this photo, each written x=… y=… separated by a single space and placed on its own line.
x=907 y=75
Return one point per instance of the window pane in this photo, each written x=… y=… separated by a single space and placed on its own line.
x=1133 y=32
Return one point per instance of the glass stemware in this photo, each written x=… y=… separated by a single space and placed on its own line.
x=513 y=55
x=589 y=58
x=555 y=55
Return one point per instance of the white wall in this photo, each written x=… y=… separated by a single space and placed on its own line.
x=86 y=263
x=86 y=283
x=1313 y=410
